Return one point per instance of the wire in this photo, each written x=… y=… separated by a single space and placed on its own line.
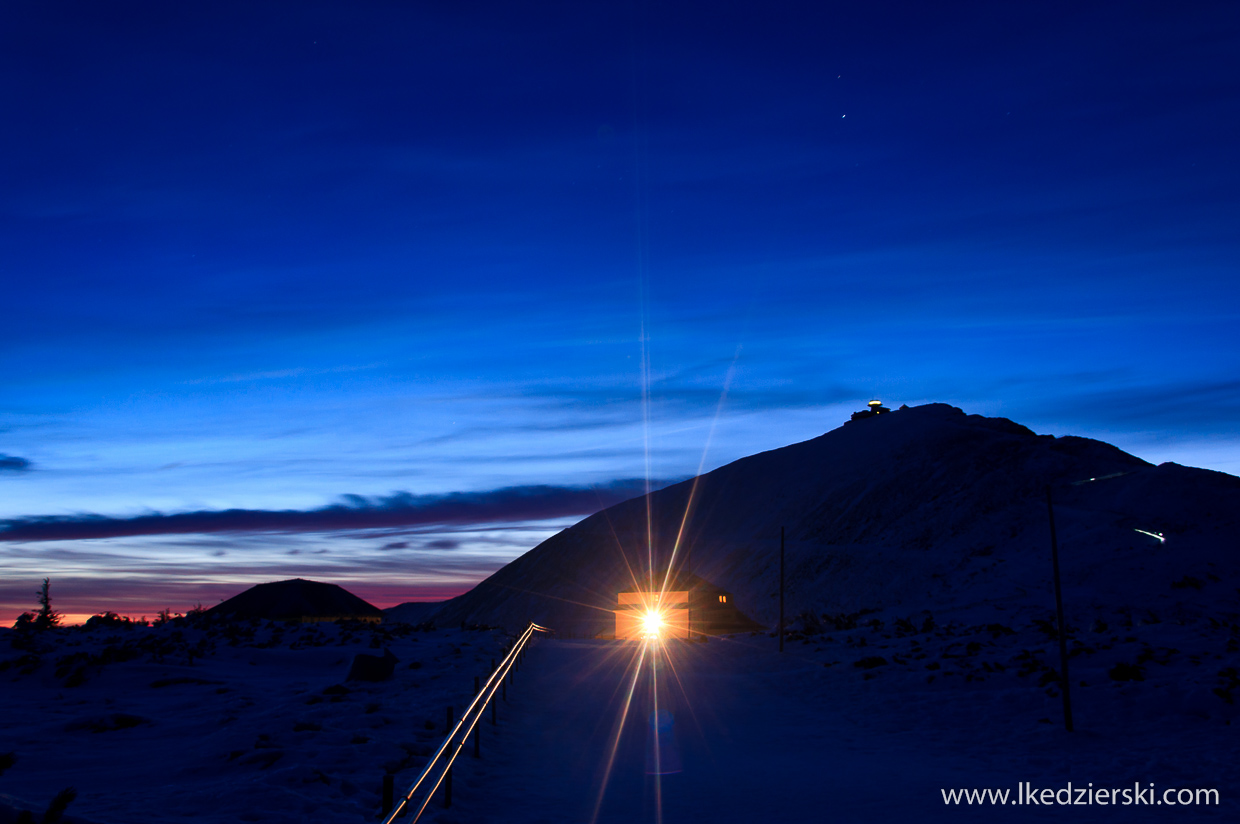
x=484 y=697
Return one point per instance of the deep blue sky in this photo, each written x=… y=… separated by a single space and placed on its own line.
x=264 y=255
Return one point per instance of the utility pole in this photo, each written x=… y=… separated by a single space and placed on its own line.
x=781 y=589
x=1063 y=628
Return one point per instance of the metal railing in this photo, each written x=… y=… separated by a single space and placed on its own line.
x=439 y=768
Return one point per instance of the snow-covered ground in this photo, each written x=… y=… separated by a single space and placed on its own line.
x=810 y=735
x=223 y=722
x=866 y=718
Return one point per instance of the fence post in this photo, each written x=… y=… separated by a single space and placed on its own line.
x=477 y=744
x=781 y=589
x=1064 y=685
x=447 y=781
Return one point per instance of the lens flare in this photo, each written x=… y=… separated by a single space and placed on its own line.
x=652 y=623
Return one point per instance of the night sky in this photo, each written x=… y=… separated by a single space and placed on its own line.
x=374 y=292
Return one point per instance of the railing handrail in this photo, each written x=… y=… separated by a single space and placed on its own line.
x=479 y=703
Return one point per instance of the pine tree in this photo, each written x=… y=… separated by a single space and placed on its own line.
x=46 y=617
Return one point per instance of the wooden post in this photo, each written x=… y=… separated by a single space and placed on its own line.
x=388 y=779
x=447 y=780
x=1063 y=628
x=477 y=753
x=781 y=589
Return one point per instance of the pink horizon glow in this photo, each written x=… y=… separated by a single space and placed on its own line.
x=77 y=603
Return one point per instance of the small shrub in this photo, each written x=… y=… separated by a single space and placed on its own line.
x=1126 y=672
x=810 y=623
x=841 y=622
x=107 y=620
x=56 y=810
x=106 y=723
x=160 y=683
x=264 y=759
x=1047 y=627
x=1231 y=680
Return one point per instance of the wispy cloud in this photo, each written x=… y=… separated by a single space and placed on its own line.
x=1200 y=407
x=12 y=463
x=354 y=512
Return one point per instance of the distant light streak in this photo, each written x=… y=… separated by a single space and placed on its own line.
x=1100 y=478
x=1157 y=535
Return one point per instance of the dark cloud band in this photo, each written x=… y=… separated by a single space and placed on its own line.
x=12 y=463
x=401 y=509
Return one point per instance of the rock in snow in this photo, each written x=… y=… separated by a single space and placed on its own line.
x=372 y=667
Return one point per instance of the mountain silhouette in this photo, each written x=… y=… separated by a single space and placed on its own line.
x=297 y=600
x=923 y=508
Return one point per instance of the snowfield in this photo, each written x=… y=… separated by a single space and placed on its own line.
x=922 y=659
x=862 y=718
x=216 y=721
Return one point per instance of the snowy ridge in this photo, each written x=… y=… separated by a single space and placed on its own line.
x=926 y=508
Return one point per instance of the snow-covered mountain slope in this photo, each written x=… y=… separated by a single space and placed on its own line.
x=925 y=508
